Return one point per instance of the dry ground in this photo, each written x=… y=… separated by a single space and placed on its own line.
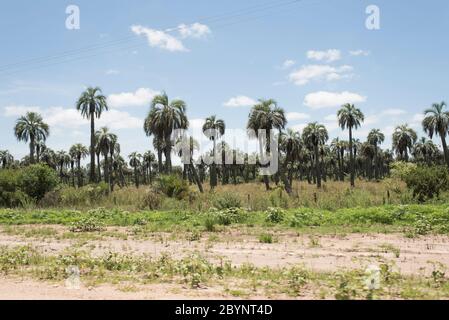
x=317 y=253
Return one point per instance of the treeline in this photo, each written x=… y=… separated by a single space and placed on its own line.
x=309 y=155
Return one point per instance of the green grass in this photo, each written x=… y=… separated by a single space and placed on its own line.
x=414 y=220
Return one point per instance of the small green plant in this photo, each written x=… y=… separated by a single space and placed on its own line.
x=297 y=278
x=266 y=238
x=87 y=224
x=274 y=215
x=345 y=290
x=227 y=201
x=209 y=224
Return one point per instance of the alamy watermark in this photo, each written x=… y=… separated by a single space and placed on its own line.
x=73 y=19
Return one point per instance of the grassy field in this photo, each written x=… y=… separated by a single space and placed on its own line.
x=289 y=248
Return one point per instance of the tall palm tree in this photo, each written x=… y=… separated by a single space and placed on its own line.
x=266 y=115
x=164 y=117
x=92 y=103
x=436 y=122
x=425 y=151
x=216 y=128
x=349 y=117
x=5 y=158
x=148 y=159
x=376 y=138
x=63 y=160
x=185 y=143
x=404 y=138
x=135 y=162
x=338 y=148
x=291 y=145
x=316 y=135
x=78 y=152
x=105 y=142
x=32 y=128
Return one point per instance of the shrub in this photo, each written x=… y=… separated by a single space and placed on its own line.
x=152 y=200
x=10 y=196
x=274 y=215
x=227 y=201
x=87 y=224
x=228 y=216
x=427 y=182
x=38 y=179
x=401 y=169
x=172 y=186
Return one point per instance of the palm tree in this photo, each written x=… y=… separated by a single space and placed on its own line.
x=436 y=122
x=266 y=115
x=291 y=145
x=350 y=117
x=425 y=151
x=403 y=140
x=338 y=148
x=32 y=128
x=5 y=158
x=165 y=117
x=315 y=135
x=216 y=128
x=375 y=138
x=134 y=162
x=105 y=142
x=63 y=160
x=91 y=104
x=185 y=143
x=148 y=159
x=78 y=152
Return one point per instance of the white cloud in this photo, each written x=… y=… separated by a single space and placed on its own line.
x=324 y=99
x=196 y=30
x=295 y=116
x=330 y=55
x=331 y=117
x=142 y=97
x=239 y=101
x=319 y=72
x=159 y=39
x=288 y=63
x=299 y=127
x=112 y=72
x=17 y=111
x=393 y=112
x=196 y=124
x=115 y=119
x=59 y=117
x=357 y=53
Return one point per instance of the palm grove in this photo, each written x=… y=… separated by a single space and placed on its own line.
x=309 y=155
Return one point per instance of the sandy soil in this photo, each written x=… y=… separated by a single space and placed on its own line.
x=317 y=253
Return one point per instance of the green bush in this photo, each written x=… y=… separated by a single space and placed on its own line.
x=427 y=182
x=36 y=180
x=401 y=169
x=10 y=195
x=172 y=186
x=227 y=217
x=87 y=224
x=274 y=215
x=227 y=201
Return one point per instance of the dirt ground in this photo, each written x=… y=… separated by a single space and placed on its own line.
x=315 y=253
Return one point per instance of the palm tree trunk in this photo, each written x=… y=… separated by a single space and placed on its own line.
x=92 y=149
x=351 y=157
x=32 y=146
x=195 y=177
x=106 y=168
x=79 y=172
x=317 y=168
x=159 y=160
x=446 y=151
x=98 y=167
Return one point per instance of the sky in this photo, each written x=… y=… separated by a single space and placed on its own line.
x=311 y=56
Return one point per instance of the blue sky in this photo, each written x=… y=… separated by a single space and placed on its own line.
x=310 y=56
